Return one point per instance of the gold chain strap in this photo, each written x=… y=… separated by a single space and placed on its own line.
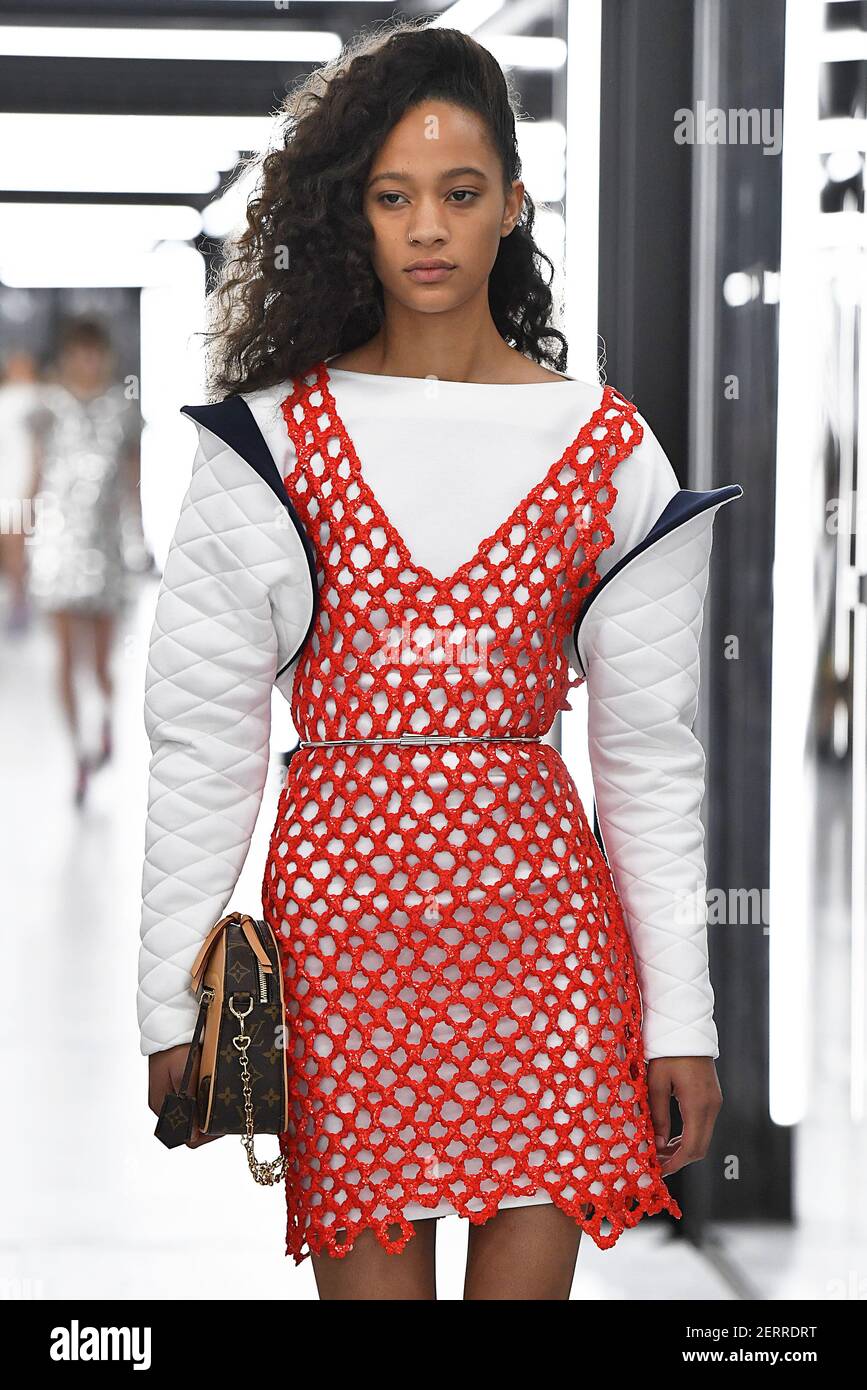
x=271 y=1171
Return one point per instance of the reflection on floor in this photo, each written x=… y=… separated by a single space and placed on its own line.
x=100 y=1208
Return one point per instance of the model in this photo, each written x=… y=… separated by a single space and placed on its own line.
x=87 y=434
x=423 y=537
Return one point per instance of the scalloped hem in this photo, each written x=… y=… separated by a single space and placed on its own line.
x=645 y=1201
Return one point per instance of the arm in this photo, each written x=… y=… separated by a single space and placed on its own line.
x=215 y=647
x=638 y=642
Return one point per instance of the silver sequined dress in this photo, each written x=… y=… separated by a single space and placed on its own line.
x=76 y=553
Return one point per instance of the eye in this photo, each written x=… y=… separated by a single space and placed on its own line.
x=465 y=195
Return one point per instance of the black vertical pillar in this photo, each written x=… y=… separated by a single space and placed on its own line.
x=675 y=220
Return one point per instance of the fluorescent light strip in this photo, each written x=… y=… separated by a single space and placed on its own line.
x=532 y=52
x=583 y=118
x=131 y=269
x=92 y=244
x=542 y=149
x=86 y=224
x=841 y=133
x=131 y=154
x=90 y=174
x=209 y=140
x=794 y=621
x=523 y=51
x=160 y=45
x=858 y=999
x=581 y=282
x=467 y=15
x=843 y=46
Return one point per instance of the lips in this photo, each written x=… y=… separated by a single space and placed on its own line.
x=428 y=272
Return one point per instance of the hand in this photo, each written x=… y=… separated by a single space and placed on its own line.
x=694 y=1084
x=165 y=1073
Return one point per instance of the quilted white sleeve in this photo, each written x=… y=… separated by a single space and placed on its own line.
x=213 y=656
x=639 y=646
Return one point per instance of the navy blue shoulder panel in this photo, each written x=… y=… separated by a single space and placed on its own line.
x=682 y=507
x=233 y=421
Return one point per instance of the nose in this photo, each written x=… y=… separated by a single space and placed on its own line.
x=426 y=227
x=426 y=237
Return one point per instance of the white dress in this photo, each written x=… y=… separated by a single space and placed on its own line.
x=449 y=460
x=77 y=559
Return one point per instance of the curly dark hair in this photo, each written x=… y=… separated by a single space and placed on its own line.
x=297 y=284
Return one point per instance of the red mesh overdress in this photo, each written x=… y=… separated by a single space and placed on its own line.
x=463 y=1013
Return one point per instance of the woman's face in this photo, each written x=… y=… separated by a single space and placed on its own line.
x=435 y=192
x=85 y=366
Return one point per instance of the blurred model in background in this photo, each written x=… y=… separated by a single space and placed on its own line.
x=87 y=434
x=19 y=396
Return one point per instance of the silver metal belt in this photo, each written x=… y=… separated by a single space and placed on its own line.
x=419 y=740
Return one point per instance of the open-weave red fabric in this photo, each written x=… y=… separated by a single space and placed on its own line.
x=463 y=1012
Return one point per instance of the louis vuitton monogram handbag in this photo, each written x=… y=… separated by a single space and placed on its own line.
x=243 y=1083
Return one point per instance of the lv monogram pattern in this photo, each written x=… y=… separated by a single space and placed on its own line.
x=265 y=1025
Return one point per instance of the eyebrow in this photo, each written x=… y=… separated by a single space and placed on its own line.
x=401 y=174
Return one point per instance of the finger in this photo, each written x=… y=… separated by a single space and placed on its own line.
x=686 y=1152
x=665 y=1158
x=694 y=1141
x=659 y=1095
x=670 y=1147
